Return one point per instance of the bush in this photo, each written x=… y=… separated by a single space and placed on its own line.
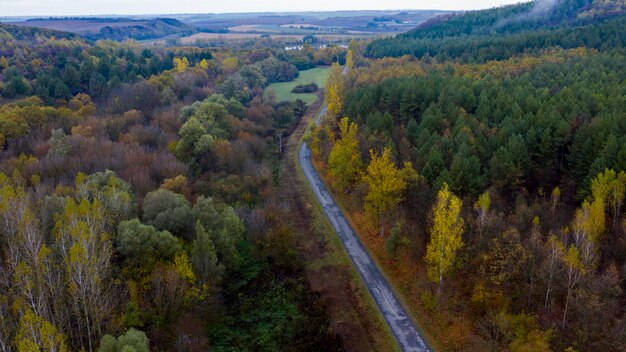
x=132 y=341
x=305 y=88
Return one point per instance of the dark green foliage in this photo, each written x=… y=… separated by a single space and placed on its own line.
x=204 y=257
x=270 y=310
x=499 y=33
x=277 y=71
x=166 y=210
x=142 y=245
x=224 y=227
x=157 y=28
x=557 y=122
x=305 y=88
x=131 y=341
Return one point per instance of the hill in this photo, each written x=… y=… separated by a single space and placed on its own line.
x=498 y=33
x=96 y=28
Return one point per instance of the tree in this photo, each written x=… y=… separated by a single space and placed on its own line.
x=445 y=235
x=554 y=198
x=224 y=227
x=555 y=251
x=166 y=210
x=142 y=245
x=574 y=270
x=482 y=208
x=85 y=250
x=181 y=64
x=115 y=195
x=611 y=187
x=334 y=89
x=322 y=140
x=344 y=161
x=204 y=257
x=131 y=341
x=36 y=334
x=350 y=59
x=178 y=184
x=386 y=184
x=59 y=143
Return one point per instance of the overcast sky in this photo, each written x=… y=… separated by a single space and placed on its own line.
x=127 y=7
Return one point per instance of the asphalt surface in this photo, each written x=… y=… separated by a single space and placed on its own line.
x=399 y=322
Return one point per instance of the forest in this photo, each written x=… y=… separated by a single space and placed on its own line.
x=481 y=158
x=139 y=199
x=150 y=198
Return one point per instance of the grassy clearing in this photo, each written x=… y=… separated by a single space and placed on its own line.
x=282 y=90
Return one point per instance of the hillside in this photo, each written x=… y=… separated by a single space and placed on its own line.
x=157 y=28
x=495 y=34
x=118 y=28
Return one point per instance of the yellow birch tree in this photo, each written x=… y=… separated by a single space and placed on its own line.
x=344 y=161
x=386 y=184
x=445 y=235
x=334 y=90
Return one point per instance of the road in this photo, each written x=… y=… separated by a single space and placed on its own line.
x=395 y=315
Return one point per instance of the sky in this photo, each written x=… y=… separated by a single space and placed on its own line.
x=133 y=7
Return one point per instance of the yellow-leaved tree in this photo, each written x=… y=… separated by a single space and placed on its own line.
x=445 y=236
x=334 y=89
x=386 y=185
x=482 y=206
x=181 y=64
x=344 y=161
x=350 y=59
x=36 y=334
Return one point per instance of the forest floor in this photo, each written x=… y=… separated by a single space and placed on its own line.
x=328 y=269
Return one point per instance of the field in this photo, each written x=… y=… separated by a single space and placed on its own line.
x=327 y=26
x=283 y=90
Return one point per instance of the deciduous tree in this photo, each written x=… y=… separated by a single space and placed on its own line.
x=334 y=90
x=386 y=184
x=445 y=235
x=344 y=161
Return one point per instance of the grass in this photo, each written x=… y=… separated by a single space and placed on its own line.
x=282 y=90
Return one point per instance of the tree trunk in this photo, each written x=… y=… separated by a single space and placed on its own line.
x=569 y=293
x=440 y=283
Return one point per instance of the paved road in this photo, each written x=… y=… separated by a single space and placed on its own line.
x=394 y=313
